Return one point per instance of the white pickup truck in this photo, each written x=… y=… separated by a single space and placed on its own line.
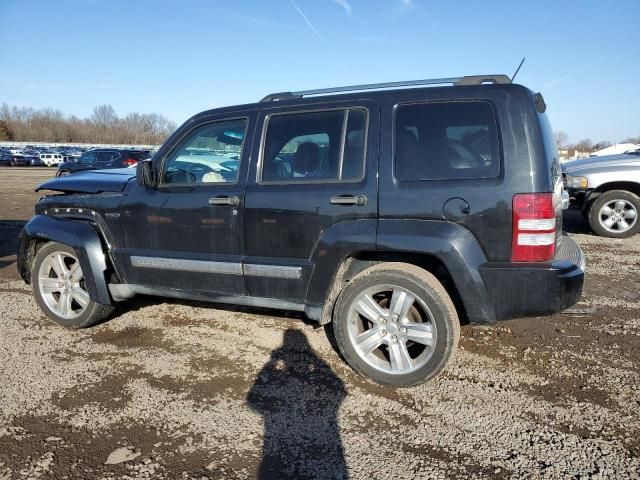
x=607 y=189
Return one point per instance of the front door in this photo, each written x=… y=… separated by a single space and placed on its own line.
x=314 y=185
x=186 y=234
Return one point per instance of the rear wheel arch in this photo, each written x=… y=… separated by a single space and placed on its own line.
x=357 y=262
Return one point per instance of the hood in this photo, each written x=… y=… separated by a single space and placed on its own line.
x=94 y=181
x=599 y=162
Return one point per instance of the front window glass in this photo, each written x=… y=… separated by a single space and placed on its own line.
x=209 y=154
x=88 y=158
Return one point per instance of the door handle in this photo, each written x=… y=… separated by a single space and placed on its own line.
x=349 y=200
x=231 y=200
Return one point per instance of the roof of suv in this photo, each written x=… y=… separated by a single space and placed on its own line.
x=372 y=91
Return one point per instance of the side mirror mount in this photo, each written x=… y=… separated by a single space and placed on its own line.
x=145 y=174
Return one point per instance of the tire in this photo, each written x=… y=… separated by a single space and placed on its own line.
x=62 y=173
x=50 y=289
x=414 y=363
x=615 y=214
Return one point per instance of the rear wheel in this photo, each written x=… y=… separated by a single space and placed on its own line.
x=62 y=173
x=60 y=289
x=396 y=324
x=615 y=214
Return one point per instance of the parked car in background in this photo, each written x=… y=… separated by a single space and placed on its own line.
x=34 y=161
x=19 y=160
x=607 y=190
x=388 y=213
x=51 y=159
x=103 y=158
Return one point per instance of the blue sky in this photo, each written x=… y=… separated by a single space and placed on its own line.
x=181 y=57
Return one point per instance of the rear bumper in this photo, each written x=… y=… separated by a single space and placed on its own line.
x=535 y=289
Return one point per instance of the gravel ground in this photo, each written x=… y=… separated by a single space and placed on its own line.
x=172 y=389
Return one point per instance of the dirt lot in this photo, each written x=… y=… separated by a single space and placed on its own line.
x=189 y=390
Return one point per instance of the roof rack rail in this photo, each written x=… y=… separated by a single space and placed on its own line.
x=466 y=80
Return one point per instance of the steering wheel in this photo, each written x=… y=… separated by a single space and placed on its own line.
x=198 y=170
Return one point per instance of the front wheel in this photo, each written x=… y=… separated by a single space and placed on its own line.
x=615 y=214
x=60 y=289
x=62 y=173
x=396 y=324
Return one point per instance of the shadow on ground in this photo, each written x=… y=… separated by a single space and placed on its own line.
x=9 y=232
x=298 y=396
x=574 y=222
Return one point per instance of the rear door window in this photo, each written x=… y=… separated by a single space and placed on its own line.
x=323 y=146
x=446 y=141
x=138 y=156
x=108 y=157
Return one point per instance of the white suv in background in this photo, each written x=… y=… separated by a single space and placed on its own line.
x=51 y=159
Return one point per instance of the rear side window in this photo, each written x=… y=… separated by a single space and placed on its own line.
x=107 y=157
x=143 y=155
x=315 y=146
x=446 y=141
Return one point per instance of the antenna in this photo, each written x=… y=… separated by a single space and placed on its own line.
x=513 y=77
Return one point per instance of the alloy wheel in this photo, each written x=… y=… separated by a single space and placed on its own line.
x=62 y=286
x=391 y=329
x=618 y=216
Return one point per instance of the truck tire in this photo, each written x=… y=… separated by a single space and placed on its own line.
x=615 y=214
x=59 y=288
x=395 y=324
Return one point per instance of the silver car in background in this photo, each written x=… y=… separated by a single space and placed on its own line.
x=607 y=190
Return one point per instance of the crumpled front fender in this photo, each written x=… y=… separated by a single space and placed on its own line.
x=81 y=236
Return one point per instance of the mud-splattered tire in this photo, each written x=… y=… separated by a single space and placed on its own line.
x=396 y=324
x=59 y=288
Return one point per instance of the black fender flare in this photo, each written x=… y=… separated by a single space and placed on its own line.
x=79 y=235
x=336 y=243
x=454 y=246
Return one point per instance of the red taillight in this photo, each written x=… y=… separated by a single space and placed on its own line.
x=129 y=162
x=534 y=227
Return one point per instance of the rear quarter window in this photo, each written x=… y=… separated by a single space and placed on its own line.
x=139 y=155
x=446 y=141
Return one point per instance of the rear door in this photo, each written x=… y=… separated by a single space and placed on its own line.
x=316 y=174
x=443 y=162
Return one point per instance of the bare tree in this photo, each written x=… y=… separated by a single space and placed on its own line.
x=104 y=126
x=585 y=145
x=602 y=144
x=5 y=131
x=562 y=139
x=104 y=116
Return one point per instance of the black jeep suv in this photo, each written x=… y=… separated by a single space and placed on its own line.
x=103 y=158
x=392 y=213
